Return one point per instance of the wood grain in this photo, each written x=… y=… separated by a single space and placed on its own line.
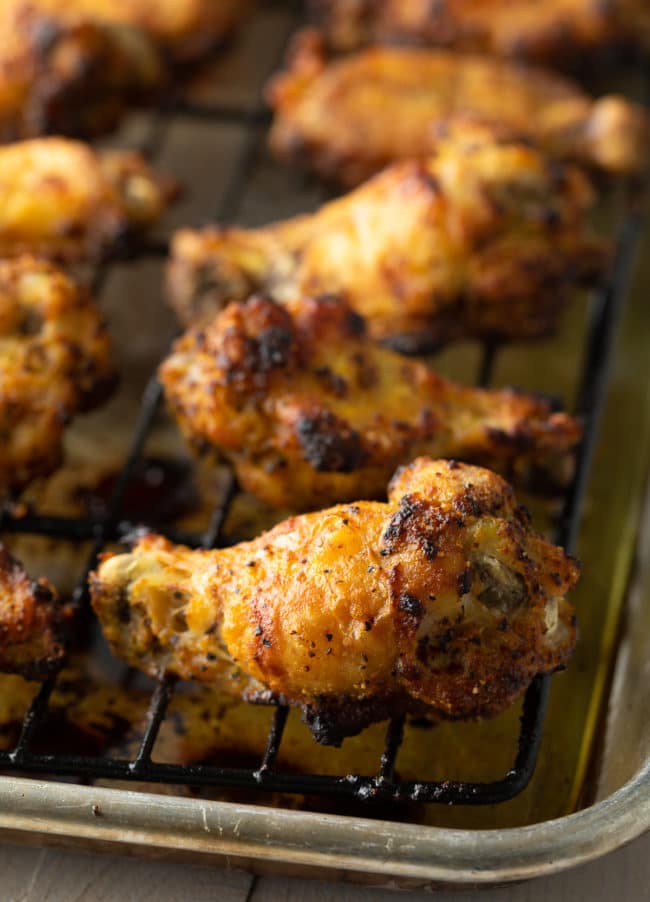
x=48 y=875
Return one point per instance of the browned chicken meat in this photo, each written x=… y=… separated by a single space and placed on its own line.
x=549 y=31
x=54 y=361
x=186 y=29
x=310 y=411
x=31 y=622
x=485 y=240
x=71 y=76
x=351 y=117
x=441 y=602
x=63 y=200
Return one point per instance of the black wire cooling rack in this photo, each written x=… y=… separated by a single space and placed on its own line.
x=604 y=310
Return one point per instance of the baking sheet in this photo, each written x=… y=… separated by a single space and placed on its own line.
x=201 y=726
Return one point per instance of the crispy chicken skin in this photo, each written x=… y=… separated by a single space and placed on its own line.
x=553 y=31
x=186 y=29
x=74 y=76
x=351 y=117
x=61 y=199
x=310 y=411
x=485 y=240
x=54 y=361
x=31 y=621
x=442 y=601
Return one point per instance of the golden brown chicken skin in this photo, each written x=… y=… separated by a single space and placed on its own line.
x=482 y=240
x=55 y=360
x=186 y=29
x=442 y=601
x=553 y=31
x=31 y=622
x=351 y=117
x=310 y=411
x=63 y=200
x=74 y=77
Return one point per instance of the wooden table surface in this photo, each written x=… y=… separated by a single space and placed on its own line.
x=47 y=875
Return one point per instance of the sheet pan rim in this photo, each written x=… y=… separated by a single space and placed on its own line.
x=355 y=845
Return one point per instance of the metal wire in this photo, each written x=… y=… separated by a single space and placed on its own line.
x=605 y=310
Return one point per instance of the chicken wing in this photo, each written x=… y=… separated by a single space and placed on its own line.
x=54 y=361
x=351 y=117
x=310 y=411
x=61 y=199
x=186 y=29
x=483 y=240
x=555 y=31
x=441 y=602
x=74 y=77
x=31 y=621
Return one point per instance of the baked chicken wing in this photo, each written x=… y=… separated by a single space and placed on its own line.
x=54 y=361
x=71 y=76
x=31 y=622
x=351 y=117
x=442 y=602
x=60 y=199
x=550 y=31
x=185 y=28
x=310 y=411
x=485 y=240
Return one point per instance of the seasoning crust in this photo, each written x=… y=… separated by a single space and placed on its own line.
x=55 y=361
x=441 y=602
x=311 y=412
x=486 y=240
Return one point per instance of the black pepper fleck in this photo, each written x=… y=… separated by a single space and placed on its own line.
x=410 y=604
x=464 y=581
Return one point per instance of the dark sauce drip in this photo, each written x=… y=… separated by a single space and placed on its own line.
x=161 y=491
x=242 y=758
x=58 y=736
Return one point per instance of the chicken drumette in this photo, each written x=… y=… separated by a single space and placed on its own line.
x=61 y=199
x=54 y=361
x=31 y=622
x=349 y=118
x=310 y=411
x=71 y=76
x=550 y=31
x=483 y=239
x=442 y=602
x=185 y=29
